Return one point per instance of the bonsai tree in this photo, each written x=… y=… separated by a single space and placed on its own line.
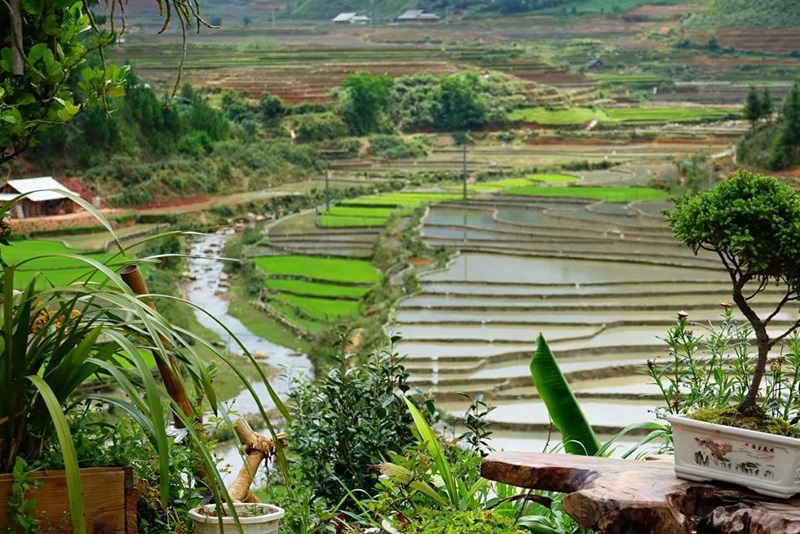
x=752 y=222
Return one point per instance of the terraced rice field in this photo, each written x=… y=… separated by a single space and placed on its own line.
x=316 y=268
x=374 y=211
x=601 y=282
x=607 y=194
x=311 y=291
x=633 y=115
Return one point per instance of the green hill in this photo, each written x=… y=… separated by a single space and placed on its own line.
x=745 y=14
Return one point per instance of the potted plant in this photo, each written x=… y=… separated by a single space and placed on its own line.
x=58 y=330
x=252 y=517
x=752 y=223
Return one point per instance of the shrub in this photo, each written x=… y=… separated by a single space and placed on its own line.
x=318 y=126
x=397 y=147
x=347 y=420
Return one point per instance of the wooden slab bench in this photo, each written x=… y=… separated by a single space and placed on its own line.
x=616 y=496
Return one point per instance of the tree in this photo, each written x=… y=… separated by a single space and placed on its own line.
x=785 y=145
x=367 y=98
x=42 y=46
x=767 y=105
x=752 y=222
x=460 y=106
x=271 y=108
x=752 y=107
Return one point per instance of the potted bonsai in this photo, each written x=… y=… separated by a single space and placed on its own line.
x=752 y=223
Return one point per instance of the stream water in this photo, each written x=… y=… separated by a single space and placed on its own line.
x=208 y=291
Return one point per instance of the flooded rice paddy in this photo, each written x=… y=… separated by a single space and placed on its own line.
x=601 y=282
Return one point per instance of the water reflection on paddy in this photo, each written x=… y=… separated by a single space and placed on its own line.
x=601 y=413
x=494 y=268
x=570 y=365
x=676 y=302
x=435 y=349
x=491 y=332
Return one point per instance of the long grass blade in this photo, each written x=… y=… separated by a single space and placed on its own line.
x=71 y=471
x=439 y=460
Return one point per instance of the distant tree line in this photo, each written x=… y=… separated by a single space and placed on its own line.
x=774 y=140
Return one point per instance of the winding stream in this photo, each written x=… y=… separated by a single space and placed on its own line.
x=208 y=291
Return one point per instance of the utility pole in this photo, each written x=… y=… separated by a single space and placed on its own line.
x=273 y=18
x=710 y=168
x=327 y=186
x=465 y=167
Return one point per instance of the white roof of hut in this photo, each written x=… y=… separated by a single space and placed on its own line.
x=27 y=185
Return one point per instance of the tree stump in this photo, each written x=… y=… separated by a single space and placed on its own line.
x=616 y=496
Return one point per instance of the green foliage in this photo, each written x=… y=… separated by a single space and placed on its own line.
x=576 y=432
x=367 y=98
x=460 y=105
x=348 y=420
x=741 y=14
x=751 y=220
x=397 y=147
x=21 y=508
x=55 y=339
x=473 y=521
x=453 y=102
x=271 y=108
x=317 y=126
x=787 y=142
x=752 y=106
x=38 y=96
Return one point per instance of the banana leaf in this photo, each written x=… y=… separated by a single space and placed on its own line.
x=576 y=432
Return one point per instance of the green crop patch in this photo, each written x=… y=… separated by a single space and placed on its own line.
x=553 y=178
x=558 y=116
x=607 y=194
x=406 y=200
x=687 y=114
x=324 y=309
x=572 y=116
x=289 y=312
x=58 y=270
x=333 y=269
x=316 y=289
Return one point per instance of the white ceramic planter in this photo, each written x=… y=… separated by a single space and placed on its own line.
x=266 y=523
x=765 y=463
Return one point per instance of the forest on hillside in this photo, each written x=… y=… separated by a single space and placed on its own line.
x=744 y=14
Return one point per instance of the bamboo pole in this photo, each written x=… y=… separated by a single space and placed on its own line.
x=258 y=448
x=169 y=368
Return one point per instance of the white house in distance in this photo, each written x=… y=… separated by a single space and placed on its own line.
x=418 y=15
x=350 y=18
x=39 y=203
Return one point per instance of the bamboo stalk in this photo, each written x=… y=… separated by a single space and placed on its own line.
x=169 y=369
x=258 y=448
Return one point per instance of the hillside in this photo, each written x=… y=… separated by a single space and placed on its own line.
x=387 y=9
x=746 y=14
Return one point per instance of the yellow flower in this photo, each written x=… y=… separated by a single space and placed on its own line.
x=39 y=321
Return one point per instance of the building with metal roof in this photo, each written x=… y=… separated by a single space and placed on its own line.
x=45 y=197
